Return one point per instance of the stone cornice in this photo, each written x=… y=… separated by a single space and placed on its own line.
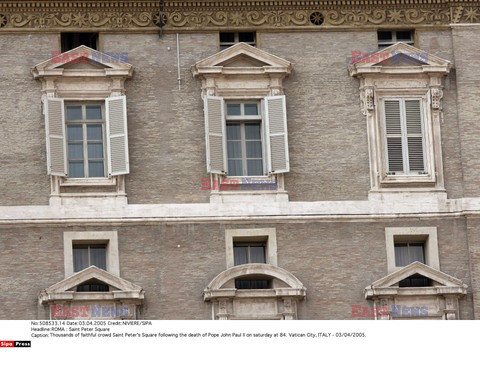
x=173 y=16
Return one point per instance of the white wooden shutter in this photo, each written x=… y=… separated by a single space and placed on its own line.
x=393 y=127
x=55 y=131
x=276 y=134
x=117 y=135
x=413 y=118
x=215 y=134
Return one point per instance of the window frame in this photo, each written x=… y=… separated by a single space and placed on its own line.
x=429 y=144
x=92 y=34
x=84 y=122
x=245 y=119
x=236 y=39
x=404 y=136
x=266 y=235
x=412 y=234
x=109 y=238
x=408 y=244
x=383 y=44
x=249 y=245
x=89 y=247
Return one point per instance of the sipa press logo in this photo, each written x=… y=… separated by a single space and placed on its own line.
x=15 y=344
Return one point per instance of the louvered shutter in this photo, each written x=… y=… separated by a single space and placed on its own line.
x=117 y=135
x=215 y=134
x=393 y=127
x=413 y=118
x=276 y=134
x=55 y=131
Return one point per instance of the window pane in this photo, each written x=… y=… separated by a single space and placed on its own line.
x=235 y=168
x=240 y=255
x=98 y=257
x=254 y=167
x=233 y=109
x=80 y=258
x=404 y=36
x=246 y=37
x=384 y=35
x=96 y=169
x=416 y=252
x=95 y=150
x=415 y=281
x=233 y=132
x=257 y=254
x=94 y=132
x=92 y=287
x=94 y=112
x=252 y=284
x=75 y=151
x=234 y=149
x=401 y=255
x=74 y=113
x=75 y=169
x=251 y=109
x=252 y=131
x=227 y=37
x=74 y=132
x=254 y=149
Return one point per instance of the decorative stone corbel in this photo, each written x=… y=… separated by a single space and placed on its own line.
x=437 y=95
x=288 y=309
x=450 y=308
x=384 y=311
x=222 y=309
x=366 y=100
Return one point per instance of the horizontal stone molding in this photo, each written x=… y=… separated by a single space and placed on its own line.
x=397 y=207
x=212 y=15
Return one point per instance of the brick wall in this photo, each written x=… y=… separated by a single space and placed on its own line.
x=334 y=260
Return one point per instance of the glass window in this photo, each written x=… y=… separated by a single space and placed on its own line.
x=85 y=256
x=244 y=253
x=228 y=39
x=70 y=40
x=388 y=38
x=244 y=139
x=85 y=140
x=406 y=253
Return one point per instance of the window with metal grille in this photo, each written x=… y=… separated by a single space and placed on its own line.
x=415 y=281
x=405 y=147
x=93 y=286
x=228 y=39
x=85 y=140
x=252 y=284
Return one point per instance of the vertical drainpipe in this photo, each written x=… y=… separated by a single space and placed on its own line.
x=179 y=79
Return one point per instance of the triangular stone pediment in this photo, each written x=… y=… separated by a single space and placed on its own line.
x=83 y=58
x=403 y=60
x=417 y=268
x=407 y=58
x=240 y=56
x=243 y=61
x=88 y=64
x=115 y=283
